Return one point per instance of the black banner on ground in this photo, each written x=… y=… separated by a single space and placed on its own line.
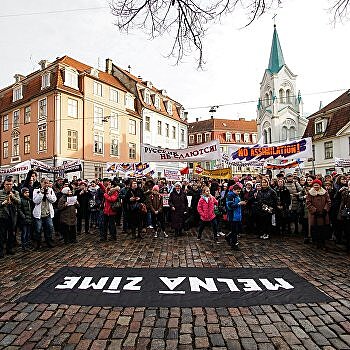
x=168 y=287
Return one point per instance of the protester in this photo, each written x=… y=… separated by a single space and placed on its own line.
x=25 y=217
x=344 y=215
x=84 y=197
x=178 y=208
x=155 y=205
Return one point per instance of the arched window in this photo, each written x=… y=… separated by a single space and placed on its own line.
x=284 y=133
x=292 y=133
x=269 y=135
x=266 y=101
x=288 y=96
x=271 y=98
x=265 y=136
x=281 y=94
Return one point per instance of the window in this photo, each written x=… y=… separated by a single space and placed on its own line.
x=71 y=78
x=5 y=149
x=182 y=135
x=6 y=123
x=72 y=140
x=15 y=147
x=42 y=109
x=97 y=88
x=281 y=93
x=157 y=102
x=132 y=150
x=191 y=139
x=288 y=96
x=265 y=136
x=129 y=101
x=292 y=133
x=27 y=115
x=132 y=126
x=167 y=129
x=45 y=81
x=27 y=144
x=98 y=172
x=328 y=150
x=16 y=119
x=72 y=108
x=207 y=137
x=207 y=165
x=114 y=145
x=318 y=128
x=98 y=143
x=42 y=136
x=169 y=108
x=238 y=137
x=199 y=138
x=174 y=132
x=228 y=136
x=159 y=127
x=147 y=97
x=246 y=137
x=114 y=120
x=284 y=133
x=113 y=95
x=254 y=138
x=17 y=93
x=98 y=115
x=148 y=124
x=266 y=102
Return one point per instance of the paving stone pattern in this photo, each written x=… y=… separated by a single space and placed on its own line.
x=300 y=326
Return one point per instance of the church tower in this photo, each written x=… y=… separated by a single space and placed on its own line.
x=280 y=107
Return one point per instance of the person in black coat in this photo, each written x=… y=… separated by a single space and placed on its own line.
x=282 y=209
x=195 y=193
x=265 y=206
x=178 y=204
x=83 y=210
x=31 y=182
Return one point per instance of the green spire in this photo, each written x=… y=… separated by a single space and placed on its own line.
x=276 y=56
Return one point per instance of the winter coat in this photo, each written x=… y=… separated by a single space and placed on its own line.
x=345 y=202
x=9 y=212
x=265 y=196
x=110 y=198
x=295 y=190
x=234 y=210
x=25 y=211
x=68 y=214
x=84 y=202
x=206 y=209
x=155 y=202
x=318 y=204
x=132 y=205
x=38 y=198
x=283 y=197
x=180 y=203
x=196 y=195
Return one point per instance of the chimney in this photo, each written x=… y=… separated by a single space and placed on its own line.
x=43 y=64
x=242 y=119
x=18 y=77
x=109 y=64
x=197 y=119
x=211 y=117
x=185 y=115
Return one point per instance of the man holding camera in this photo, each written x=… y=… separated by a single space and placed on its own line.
x=43 y=212
x=9 y=201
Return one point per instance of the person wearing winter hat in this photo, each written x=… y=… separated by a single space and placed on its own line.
x=68 y=216
x=318 y=204
x=155 y=204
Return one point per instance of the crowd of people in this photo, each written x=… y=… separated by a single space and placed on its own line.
x=316 y=207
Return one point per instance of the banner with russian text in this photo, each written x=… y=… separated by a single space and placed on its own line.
x=20 y=168
x=225 y=173
x=203 y=152
x=69 y=167
x=288 y=150
x=170 y=174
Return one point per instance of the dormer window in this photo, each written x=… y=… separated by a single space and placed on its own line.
x=254 y=138
x=319 y=127
x=71 y=78
x=17 y=93
x=147 y=97
x=191 y=139
x=207 y=137
x=199 y=138
x=45 y=81
x=228 y=136
x=246 y=137
x=169 y=108
x=238 y=137
x=157 y=102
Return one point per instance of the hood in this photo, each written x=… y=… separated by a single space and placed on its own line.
x=313 y=192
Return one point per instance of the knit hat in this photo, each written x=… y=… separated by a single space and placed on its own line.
x=249 y=182
x=65 y=190
x=24 y=189
x=236 y=178
x=317 y=181
x=155 y=188
x=177 y=184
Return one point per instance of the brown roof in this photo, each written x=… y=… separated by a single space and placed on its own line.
x=338 y=114
x=214 y=124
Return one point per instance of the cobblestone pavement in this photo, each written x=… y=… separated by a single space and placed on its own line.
x=293 y=326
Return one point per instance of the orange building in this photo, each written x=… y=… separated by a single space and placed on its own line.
x=68 y=110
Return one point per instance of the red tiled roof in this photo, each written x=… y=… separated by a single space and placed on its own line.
x=223 y=125
x=338 y=114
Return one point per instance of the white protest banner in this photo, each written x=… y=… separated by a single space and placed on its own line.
x=20 y=168
x=225 y=160
x=68 y=167
x=204 y=152
x=172 y=174
x=342 y=163
x=118 y=167
x=165 y=197
x=288 y=150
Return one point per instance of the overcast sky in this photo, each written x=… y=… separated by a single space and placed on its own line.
x=313 y=48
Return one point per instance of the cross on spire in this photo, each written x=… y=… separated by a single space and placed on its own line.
x=274 y=19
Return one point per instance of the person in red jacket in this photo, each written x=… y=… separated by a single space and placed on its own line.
x=205 y=209
x=110 y=195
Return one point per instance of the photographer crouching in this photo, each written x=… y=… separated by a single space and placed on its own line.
x=9 y=202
